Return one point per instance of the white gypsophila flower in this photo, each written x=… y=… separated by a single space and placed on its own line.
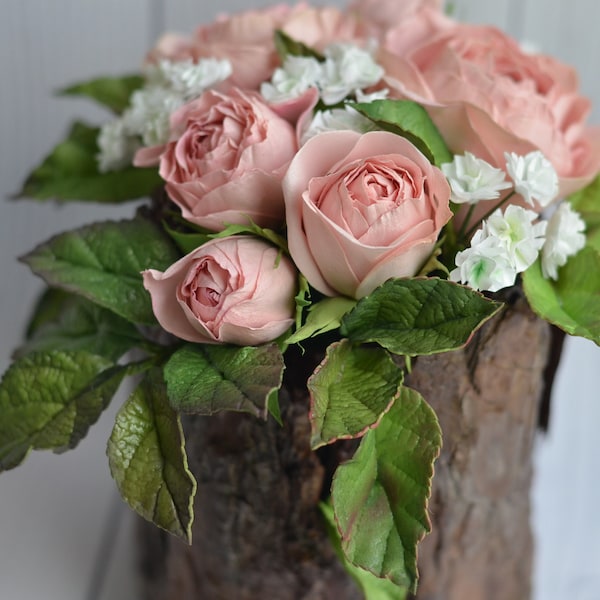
x=485 y=266
x=149 y=112
x=534 y=177
x=297 y=75
x=116 y=146
x=516 y=229
x=337 y=119
x=347 y=69
x=564 y=238
x=190 y=79
x=378 y=95
x=473 y=179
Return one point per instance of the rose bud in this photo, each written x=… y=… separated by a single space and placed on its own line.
x=236 y=290
x=362 y=209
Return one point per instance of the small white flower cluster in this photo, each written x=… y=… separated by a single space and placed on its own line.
x=346 y=71
x=337 y=119
x=534 y=176
x=169 y=85
x=507 y=244
x=564 y=238
x=510 y=241
x=472 y=179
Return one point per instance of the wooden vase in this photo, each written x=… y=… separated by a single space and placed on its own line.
x=258 y=532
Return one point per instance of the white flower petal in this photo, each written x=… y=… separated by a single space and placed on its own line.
x=534 y=176
x=473 y=179
x=564 y=238
x=116 y=146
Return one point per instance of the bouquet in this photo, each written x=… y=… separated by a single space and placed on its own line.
x=368 y=182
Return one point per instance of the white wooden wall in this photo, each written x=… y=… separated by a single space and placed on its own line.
x=59 y=516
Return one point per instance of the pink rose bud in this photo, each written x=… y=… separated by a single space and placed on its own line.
x=225 y=161
x=236 y=290
x=362 y=209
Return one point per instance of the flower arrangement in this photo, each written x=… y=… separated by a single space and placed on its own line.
x=367 y=180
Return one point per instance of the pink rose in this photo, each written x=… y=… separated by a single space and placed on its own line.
x=318 y=27
x=379 y=16
x=488 y=97
x=245 y=39
x=361 y=209
x=226 y=160
x=236 y=290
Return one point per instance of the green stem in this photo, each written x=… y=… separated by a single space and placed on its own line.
x=463 y=227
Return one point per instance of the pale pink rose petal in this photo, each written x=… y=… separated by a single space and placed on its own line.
x=236 y=290
x=355 y=203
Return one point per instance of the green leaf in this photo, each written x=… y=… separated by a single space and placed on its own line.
x=273 y=406
x=67 y=322
x=350 y=391
x=380 y=496
x=47 y=309
x=587 y=203
x=70 y=172
x=373 y=588
x=103 y=262
x=411 y=121
x=302 y=298
x=111 y=92
x=49 y=400
x=287 y=46
x=322 y=317
x=418 y=316
x=146 y=454
x=187 y=242
x=206 y=379
x=573 y=302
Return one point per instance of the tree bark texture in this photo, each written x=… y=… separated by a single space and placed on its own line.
x=258 y=533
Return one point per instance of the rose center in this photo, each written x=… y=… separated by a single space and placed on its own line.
x=208 y=296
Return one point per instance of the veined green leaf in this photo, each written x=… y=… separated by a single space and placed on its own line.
x=146 y=453
x=350 y=391
x=287 y=46
x=587 y=203
x=206 y=379
x=418 y=316
x=111 y=92
x=573 y=302
x=411 y=121
x=48 y=400
x=64 y=321
x=380 y=496
x=103 y=262
x=374 y=588
x=189 y=241
x=70 y=172
x=323 y=316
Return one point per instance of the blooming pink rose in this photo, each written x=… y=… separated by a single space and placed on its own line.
x=226 y=160
x=379 y=16
x=318 y=27
x=236 y=290
x=246 y=39
x=361 y=209
x=488 y=97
